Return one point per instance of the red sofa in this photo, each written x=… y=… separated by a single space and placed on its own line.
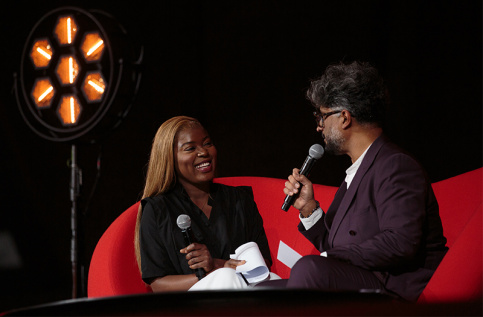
x=113 y=269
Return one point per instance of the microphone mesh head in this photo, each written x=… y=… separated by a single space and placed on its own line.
x=316 y=151
x=183 y=222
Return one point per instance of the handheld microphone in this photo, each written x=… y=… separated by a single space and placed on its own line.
x=184 y=223
x=315 y=152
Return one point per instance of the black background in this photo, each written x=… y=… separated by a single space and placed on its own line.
x=242 y=68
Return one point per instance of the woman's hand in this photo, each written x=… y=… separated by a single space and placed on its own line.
x=198 y=256
x=231 y=263
x=299 y=184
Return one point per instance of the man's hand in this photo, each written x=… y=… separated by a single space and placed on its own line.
x=299 y=184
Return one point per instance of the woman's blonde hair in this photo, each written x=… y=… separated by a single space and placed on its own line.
x=161 y=173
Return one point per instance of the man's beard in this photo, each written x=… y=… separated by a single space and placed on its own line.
x=333 y=141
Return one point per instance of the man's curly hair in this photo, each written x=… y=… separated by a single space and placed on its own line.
x=356 y=87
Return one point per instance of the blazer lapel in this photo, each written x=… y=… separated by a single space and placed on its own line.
x=352 y=190
x=331 y=212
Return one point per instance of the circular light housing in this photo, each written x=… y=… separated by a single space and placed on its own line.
x=78 y=61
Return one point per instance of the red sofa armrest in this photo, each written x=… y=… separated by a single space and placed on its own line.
x=113 y=269
x=459 y=276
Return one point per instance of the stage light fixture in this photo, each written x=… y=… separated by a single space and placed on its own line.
x=73 y=66
x=86 y=55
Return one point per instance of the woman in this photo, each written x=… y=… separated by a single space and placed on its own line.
x=180 y=181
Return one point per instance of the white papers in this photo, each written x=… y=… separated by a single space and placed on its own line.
x=287 y=255
x=255 y=269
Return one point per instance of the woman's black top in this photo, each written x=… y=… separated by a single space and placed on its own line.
x=234 y=220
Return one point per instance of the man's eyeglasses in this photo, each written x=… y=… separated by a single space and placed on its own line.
x=320 y=117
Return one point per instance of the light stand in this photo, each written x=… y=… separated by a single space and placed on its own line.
x=75 y=183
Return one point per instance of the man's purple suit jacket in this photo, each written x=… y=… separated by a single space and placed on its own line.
x=388 y=222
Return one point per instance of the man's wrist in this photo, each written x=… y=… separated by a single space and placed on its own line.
x=309 y=209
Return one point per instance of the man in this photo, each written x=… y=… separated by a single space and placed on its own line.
x=383 y=229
